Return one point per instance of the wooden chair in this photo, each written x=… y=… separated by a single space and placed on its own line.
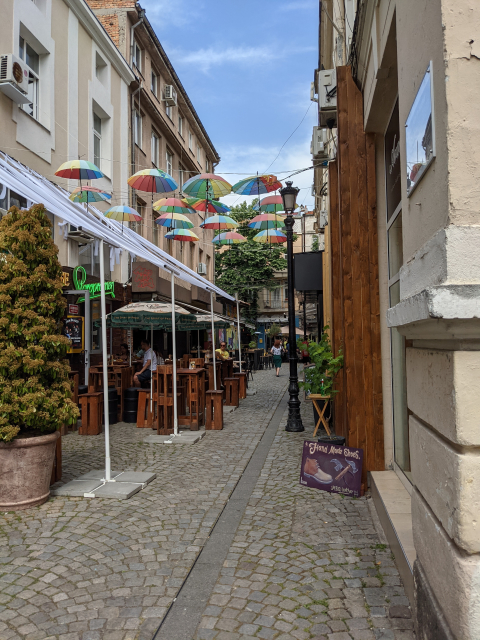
x=199 y=363
x=91 y=405
x=232 y=392
x=214 y=420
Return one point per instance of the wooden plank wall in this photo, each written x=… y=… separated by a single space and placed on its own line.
x=354 y=265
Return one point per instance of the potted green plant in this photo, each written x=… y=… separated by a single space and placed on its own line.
x=319 y=377
x=34 y=386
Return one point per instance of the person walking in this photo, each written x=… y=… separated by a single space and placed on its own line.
x=276 y=352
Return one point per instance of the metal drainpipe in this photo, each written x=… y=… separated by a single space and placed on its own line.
x=141 y=14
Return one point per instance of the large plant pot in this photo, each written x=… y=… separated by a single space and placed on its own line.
x=25 y=471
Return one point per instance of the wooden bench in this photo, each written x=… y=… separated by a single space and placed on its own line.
x=214 y=420
x=91 y=405
x=231 y=391
x=242 y=380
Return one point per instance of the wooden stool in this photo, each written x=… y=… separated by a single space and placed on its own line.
x=91 y=405
x=242 y=389
x=231 y=392
x=214 y=410
x=144 y=415
x=321 y=413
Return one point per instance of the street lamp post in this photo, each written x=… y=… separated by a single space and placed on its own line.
x=294 y=420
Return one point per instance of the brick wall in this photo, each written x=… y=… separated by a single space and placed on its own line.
x=111 y=4
x=110 y=24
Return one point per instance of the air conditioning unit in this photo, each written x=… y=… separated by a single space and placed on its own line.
x=78 y=234
x=318 y=146
x=327 y=97
x=14 y=78
x=170 y=96
x=202 y=269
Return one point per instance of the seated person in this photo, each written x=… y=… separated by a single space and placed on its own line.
x=222 y=353
x=160 y=358
x=124 y=352
x=149 y=365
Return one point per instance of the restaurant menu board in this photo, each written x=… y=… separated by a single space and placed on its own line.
x=332 y=468
x=73 y=329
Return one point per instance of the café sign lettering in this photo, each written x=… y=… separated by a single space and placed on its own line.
x=79 y=276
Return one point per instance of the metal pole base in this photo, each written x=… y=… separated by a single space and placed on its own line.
x=294 y=420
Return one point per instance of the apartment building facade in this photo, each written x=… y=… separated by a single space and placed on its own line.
x=401 y=260
x=165 y=132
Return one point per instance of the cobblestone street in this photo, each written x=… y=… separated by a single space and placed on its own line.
x=302 y=564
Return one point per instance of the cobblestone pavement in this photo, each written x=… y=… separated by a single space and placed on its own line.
x=303 y=564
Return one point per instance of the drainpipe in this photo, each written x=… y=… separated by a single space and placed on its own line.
x=141 y=15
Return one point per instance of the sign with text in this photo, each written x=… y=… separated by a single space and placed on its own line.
x=332 y=468
x=73 y=329
x=73 y=309
x=144 y=277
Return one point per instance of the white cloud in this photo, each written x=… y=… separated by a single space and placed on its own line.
x=165 y=13
x=238 y=160
x=207 y=58
x=299 y=5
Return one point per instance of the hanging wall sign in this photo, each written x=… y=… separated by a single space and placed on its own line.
x=73 y=310
x=332 y=468
x=79 y=282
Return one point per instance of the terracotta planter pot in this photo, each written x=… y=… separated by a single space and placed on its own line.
x=25 y=471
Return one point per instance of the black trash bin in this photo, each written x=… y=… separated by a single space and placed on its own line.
x=130 y=404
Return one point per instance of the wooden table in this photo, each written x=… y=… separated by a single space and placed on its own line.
x=194 y=381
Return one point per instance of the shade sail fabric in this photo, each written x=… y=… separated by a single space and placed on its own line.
x=285 y=331
x=37 y=189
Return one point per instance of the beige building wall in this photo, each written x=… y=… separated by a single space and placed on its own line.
x=69 y=41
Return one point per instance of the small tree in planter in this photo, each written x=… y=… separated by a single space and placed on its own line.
x=34 y=386
x=319 y=379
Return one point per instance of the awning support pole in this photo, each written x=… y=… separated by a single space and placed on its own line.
x=238 y=333
x=198 y=343
x=213 y=343
x=174 y=356
x=103 y=307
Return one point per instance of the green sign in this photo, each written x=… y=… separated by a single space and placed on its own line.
x=79 y=281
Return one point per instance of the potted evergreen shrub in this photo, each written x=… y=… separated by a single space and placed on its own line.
x=34 y=386
x=319 y=377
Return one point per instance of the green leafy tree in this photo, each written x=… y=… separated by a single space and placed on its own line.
x=274 y=330
x=250 y=266
x=315 y=244
x=320 y=378
x=34 y=386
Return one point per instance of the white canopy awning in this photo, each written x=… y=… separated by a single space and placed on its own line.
x=39 y=190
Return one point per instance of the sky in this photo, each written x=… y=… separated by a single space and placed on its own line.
x=247 y=68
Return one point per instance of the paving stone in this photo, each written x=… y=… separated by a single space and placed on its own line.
x=80 y=569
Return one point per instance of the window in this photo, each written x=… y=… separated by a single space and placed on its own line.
x=168 y=111
x=180 y=125
x=154 y=84
x=32 y=60
x=190 y=141
x=208 y=268
x=182 y=178
x=97 y=140
x=100 y=68
x=137 y=56
x=192 y=255
x=207 y=165
x=169 y=159
x=199 y=155
x=138 y=128
x=155 y=148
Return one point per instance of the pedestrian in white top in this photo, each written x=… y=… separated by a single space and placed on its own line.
x=149 y=365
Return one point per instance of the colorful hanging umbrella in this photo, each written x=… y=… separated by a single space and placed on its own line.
x=123 y=214
x=153 y=181
x=172 y=205
x=229 y=237
x=267 y=221
x=210 y=206
x=219 y=222
x=89 y=194
x=270 y=236
x=270 y=204
x=79 y=170
x=207 y=185
x=174 y=221
x=183 y=235
x=255 y=185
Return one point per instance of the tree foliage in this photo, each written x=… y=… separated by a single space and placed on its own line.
x=34 y=386
x=274 y=330
x=248 y=267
